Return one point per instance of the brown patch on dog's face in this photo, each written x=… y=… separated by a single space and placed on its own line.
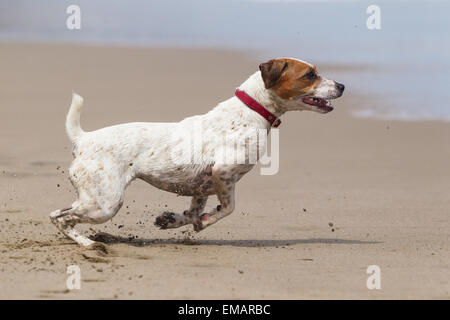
x=289 y=78
x=298 y=86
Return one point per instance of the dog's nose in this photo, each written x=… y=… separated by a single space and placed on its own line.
x=340 y=86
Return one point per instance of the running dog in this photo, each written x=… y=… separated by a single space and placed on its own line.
x=107 y=160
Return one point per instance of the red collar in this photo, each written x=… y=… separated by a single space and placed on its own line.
x=253 y=104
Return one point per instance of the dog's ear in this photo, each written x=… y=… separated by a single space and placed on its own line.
x=271 y=71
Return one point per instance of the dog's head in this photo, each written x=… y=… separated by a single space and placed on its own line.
x=296 y=85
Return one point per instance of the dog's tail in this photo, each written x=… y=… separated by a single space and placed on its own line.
x=73 y=127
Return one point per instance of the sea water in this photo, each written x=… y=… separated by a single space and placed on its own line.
x=403 y=68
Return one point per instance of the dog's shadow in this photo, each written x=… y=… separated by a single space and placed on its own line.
x=141 y=242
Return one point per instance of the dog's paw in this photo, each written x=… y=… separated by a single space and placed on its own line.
x=165 y=219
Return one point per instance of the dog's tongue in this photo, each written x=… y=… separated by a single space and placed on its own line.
x=315 y=102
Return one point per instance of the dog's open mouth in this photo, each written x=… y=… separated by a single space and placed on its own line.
x=322 y=104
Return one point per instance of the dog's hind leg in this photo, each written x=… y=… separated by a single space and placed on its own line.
x=169 y=220
x=97 y=203
x=80 y=212
x=64 y=220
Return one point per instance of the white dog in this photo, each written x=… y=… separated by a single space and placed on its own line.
x=107 y=160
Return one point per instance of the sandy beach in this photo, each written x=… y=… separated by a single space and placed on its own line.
x=350 y=192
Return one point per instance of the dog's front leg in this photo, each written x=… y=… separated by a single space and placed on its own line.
x=224 y=182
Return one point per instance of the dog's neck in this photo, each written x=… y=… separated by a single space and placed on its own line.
x=254 y=87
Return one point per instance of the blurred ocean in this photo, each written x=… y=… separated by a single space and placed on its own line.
x=406 y=64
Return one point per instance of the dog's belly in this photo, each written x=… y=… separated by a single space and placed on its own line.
x=186 y=181
x=183 y=189
x=189 y=181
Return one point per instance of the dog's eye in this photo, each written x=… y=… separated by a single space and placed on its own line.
x=310 y=75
